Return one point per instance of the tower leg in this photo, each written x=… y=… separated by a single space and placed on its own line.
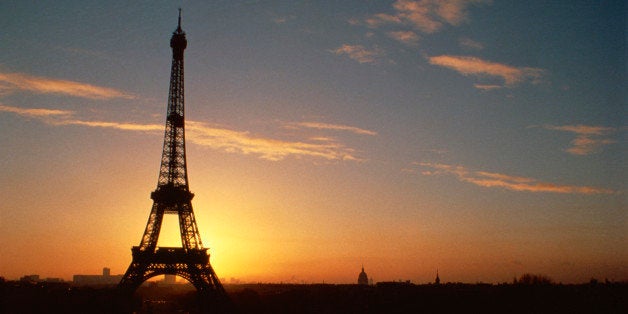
x=133 y=278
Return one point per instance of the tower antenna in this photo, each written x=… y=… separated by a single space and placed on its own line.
x=179 y=24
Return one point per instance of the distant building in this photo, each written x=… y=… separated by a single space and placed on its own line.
x=170 y=279
x=53 y=279
x=30 y=278
x=363 y=279
x=97 y=280
x=36 y=279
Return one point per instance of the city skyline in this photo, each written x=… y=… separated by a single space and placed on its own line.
x=481 y=138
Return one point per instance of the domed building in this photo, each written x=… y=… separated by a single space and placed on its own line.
x=363 y=279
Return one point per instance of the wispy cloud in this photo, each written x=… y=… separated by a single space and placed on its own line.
x=427 y=16
x=10 y=82
x=328 y=126
x=470 y=44
x=487 y=87
x=478 y=67
x=126 y=126
x=406 y=37
x=589 y=139
x=66 y=117
x=359 y=53
x=381 y=18
x=422 y=14
x=582 y=129
x=218 y=138
x=284 y=19
x=36 y=112
x=267 y=148
x=505 y=181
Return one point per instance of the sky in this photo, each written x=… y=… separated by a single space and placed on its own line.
x=483 y=139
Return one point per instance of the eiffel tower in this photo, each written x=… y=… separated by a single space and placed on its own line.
x=173 y=196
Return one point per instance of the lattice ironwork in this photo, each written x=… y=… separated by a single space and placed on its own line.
x=173 y=196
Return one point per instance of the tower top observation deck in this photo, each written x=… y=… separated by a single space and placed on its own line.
x=178 y=43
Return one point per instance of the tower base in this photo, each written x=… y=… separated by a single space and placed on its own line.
x=192 y=265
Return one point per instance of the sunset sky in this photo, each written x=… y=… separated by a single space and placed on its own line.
x=485 y=139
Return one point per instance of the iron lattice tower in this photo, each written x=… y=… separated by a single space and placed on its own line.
x=173 y=196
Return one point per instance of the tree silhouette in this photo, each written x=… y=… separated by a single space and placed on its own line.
x=534 y=279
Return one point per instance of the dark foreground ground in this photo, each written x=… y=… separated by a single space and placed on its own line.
x=18 y=297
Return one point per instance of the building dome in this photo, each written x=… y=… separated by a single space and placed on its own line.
x=363 y=279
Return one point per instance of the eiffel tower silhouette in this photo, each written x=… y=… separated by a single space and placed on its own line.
x=173 y=196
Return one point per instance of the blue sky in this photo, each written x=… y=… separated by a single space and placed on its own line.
x=402 y=135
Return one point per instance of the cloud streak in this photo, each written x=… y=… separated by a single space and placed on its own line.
x=477 y=67
x=111 y=125
x=10 y=82
x=37 y=112
x=406 y=37
x=223 y=139
x=470 y=44
x=267 y=148
x=359 y=53
x=513 y=183
x=327 y=126
x=487 y=87
x=589 y=139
